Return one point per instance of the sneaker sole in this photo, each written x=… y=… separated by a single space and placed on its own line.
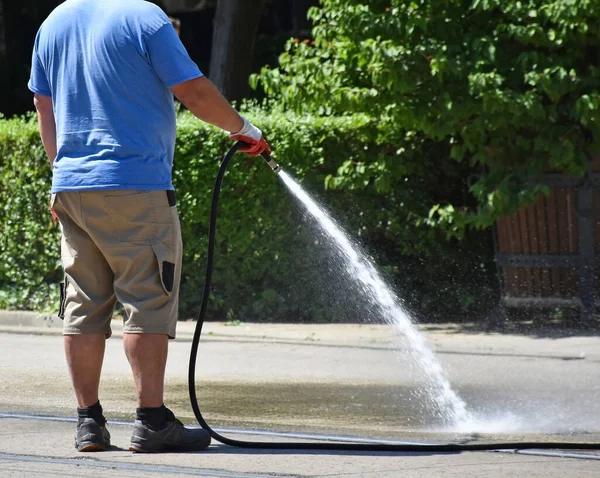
x=91 y=447
x=138 y=449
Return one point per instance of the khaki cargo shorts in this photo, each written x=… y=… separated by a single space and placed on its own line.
x=119 y=246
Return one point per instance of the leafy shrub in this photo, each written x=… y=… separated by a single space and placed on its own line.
x=271 y=263
x=29 y=256
x=509 y=88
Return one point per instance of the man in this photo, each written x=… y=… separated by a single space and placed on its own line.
x=104 y=73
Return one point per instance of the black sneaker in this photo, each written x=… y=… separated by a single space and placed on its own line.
x=172 y=437
x=90 y=436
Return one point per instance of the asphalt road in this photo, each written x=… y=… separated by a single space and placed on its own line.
x=351 y=381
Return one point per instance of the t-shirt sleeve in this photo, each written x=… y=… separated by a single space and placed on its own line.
x=38 y=81
x=169 y=58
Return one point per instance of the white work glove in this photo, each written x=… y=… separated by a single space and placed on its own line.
x=253 y=137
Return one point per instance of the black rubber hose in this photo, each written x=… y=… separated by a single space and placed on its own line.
x=449 y=447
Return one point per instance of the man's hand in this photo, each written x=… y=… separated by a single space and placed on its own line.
x=252 y=136
x=52 y=199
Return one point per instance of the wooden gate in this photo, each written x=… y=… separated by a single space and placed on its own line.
x=546 y=253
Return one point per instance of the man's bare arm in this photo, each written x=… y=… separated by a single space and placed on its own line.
x=205 y=101
x=45 y=113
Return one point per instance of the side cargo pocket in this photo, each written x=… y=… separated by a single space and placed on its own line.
x=63 y=298
x=166 y=266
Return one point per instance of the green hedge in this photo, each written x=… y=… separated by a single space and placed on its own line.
x=29 y=249
x=271 y=264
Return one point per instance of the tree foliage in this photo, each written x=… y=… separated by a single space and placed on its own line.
x=509 y=88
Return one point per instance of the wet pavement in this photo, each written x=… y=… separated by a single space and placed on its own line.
x=341 y=380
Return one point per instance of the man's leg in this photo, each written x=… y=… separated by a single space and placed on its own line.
x=156 y=428
x=147 y=355
x=85 y=354
x=88 y=300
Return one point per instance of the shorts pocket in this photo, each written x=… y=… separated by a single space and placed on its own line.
x=132 y=216
x=62 y=300
x=166 y=266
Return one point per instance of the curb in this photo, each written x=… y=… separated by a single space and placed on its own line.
x=28 y=322
x=370 y=336
x=20 y=318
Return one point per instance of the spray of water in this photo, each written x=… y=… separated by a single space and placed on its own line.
x=451 y=408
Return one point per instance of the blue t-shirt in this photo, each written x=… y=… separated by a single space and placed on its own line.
x=108 y=66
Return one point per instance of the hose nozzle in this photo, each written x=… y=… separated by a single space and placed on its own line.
x=271 y=162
